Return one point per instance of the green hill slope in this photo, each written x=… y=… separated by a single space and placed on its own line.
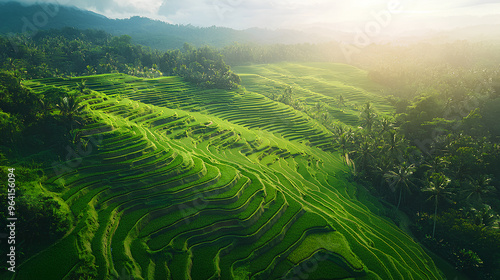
x=251 y=110
x=318 y=82
x=180 y=183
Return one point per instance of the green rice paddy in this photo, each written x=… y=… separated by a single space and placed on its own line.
x=187 y=183
x=318 y=82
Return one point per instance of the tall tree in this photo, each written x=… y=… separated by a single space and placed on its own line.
x=318 y=106
x=341 y=102
x=344 y=141
x=438 y=190
x=477 y=188
x=400 y=179
x=368 y=116
x=70 y=106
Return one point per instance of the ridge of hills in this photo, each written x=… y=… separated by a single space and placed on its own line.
x=19 y=18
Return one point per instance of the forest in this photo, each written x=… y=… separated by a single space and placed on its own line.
x=437 y=157
x=432 y=161
x=71 y=52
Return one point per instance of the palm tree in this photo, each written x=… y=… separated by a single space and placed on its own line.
x=438 y=189
x=341 y=101
x=386 y=124
x=394 y=144
x=477 y=188
x=297 y=105
x=368 y=116
x=436 y=165
x=400 y=179
x=70 y=106
x=81 y=86
x=338 y=129
x=325 y=117
x=343 y=142
x=484 y=217
x=90 y=70
x=287 y=95
x=383 y=166
x=11 y=126
x=45 y=107
x=318 y=107
x=364 y=153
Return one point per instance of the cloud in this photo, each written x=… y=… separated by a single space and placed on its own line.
x=187 y=11
x=245 y=14
x=112 y=8
x=273 y=14
x=147 y=6
x=101 y=5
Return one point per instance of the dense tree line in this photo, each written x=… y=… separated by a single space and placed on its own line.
x=73 y=52
x=35 y=130
x=440 y=153
x=437 y=158
x=241 y=54
x=204 y=66
x=32 y=121
x=449 y=189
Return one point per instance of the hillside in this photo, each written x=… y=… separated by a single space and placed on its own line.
x=314 y=83
x=174 y=182
x=17 y=18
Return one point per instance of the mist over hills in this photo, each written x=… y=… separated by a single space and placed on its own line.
x=18 y=18
x=270 y=153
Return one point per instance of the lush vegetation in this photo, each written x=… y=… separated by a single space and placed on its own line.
x=71 y=52
x=158 y=164
x=438 y=153
x=158 y=177
x=449 y=146
x=156 y=34
x=237 y=184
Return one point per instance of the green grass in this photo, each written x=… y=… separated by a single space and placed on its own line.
x=193 y=183
x=318 y=82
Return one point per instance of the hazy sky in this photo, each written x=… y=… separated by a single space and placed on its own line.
x=301 y=14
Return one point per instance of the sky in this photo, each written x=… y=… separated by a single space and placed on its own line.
x=369 y=15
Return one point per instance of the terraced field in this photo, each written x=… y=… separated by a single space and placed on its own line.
x=251 y=110
x=318 y=82
x=179 y=183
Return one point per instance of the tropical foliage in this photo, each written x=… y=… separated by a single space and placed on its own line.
x=289 y=155
x=72 y=52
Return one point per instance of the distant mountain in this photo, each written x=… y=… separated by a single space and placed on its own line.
x=485 y=32
x=18 y=18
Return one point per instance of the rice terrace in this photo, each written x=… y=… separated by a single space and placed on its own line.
x=148 y=149
x=214 y=188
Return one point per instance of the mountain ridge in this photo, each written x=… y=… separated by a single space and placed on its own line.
x=156 y=34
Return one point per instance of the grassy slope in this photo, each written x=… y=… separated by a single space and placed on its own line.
x=317 y=82
x=169 y=180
